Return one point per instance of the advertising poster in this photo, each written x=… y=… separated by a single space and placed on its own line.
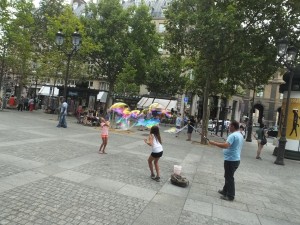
x=293 y=120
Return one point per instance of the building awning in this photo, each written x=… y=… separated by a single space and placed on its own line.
x=166 y=104
x=148 y=102
x=163 y=102
x=172 y=105
x=48 y=91
x=102 y=96
x=141 y=102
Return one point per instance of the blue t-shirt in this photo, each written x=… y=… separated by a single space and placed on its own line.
x=233 y=152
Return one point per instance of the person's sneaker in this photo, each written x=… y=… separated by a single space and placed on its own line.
x=152 y=176
x=258 y=158
x=221 y=192
x=157 y=179
x=226 y=198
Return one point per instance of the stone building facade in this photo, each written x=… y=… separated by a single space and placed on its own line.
x=267 y=103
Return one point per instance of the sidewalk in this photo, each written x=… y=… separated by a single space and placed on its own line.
x=52 y=175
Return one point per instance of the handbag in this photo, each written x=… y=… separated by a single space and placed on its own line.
x=263 y=138
x=179 y=180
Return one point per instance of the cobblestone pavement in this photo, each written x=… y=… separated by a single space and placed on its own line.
x=52 y=175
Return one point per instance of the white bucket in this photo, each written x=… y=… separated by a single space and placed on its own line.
x=177 y=169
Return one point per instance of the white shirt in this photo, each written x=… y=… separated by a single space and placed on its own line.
x=64 y=108
x=157 y=147
x=178 y=121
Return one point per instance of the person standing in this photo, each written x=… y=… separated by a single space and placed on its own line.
x=12 y=101
x=242 y=130
x=178 y=124
x=191 y=124
x=31 y=104
x=21 y=104
x=259 y=136
x=63 y=113
x=154 y=140
x=26 y=106
x=104 y=134
x=232 y=154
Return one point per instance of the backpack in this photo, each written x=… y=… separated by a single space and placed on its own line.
x=179 y=180
x=263 y=138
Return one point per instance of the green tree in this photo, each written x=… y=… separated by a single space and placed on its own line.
x=19 y=32
x=107 y=25
x=164 y=77
x=218 y=35
x=4 y=18
x=125 y=83
x=67 y=22
x=144 y=41
x=125 y=42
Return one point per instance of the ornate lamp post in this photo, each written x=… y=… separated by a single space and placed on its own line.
x=76 y=42
x=287 y=55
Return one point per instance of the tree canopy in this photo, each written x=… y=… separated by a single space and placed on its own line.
x=231 y=41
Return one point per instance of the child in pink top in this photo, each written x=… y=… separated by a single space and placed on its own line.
x=104 y=135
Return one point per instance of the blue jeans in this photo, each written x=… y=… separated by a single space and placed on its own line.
x=62 y=121
x=229 y=187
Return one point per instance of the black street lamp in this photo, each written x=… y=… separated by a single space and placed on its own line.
x=76 y=42
x=287 y=55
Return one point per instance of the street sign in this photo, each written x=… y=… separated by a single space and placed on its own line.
x=186 y=99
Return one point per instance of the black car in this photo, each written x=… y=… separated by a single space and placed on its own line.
x=272 y=131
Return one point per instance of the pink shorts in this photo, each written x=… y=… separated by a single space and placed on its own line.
x=104 y=135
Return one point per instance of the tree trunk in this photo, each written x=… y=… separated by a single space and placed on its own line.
x=250 y=122
x=109 y=99
x=205 y=117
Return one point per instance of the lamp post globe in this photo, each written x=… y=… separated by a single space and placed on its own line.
x=76 y=38
x=76 y=41
x=291 y=55
x=282 y=46
x=59 y=38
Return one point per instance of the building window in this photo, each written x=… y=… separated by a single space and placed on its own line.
x=91 y=83
x=161 y=28
x=281 y=96
x=260 y=92
x=71 y=82
x=46 y=81
x=59 y=81
x=104 y=86
x=91 y=69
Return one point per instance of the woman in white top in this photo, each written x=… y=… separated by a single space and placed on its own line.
x=154 y=140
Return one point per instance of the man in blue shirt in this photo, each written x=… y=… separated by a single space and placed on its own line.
x=232 y=155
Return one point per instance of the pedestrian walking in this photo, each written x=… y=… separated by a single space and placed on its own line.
x=232 y=153
x=242 y=130
x=12 y=101
x=191 y=124
x=154 y=140
x=21 y=104
x=31 y=104
x=178 y=124
x=260 y=135
x=26 y=104
x=63 y=113
x=104 y=134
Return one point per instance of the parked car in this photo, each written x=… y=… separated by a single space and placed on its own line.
x=272 y=131
x=211 y=126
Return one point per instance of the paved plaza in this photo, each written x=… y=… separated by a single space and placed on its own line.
x=52 y=175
